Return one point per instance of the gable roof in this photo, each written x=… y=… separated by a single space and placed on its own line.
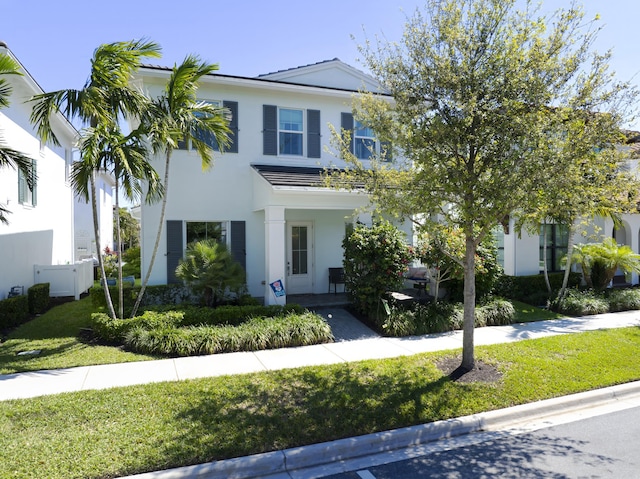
x=328 y=73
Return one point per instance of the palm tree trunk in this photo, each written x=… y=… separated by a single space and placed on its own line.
x=96 y=232
x=158 y=235
x=118 y=251
x=468 y=360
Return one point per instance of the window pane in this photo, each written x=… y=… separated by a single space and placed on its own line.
x=203 y=230
x=291 y=120
x=299 y=250
x=364 y=148
x=291 y=144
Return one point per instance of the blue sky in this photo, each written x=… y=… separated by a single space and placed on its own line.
x=55 y=39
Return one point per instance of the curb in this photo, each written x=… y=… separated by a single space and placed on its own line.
x=280 y=463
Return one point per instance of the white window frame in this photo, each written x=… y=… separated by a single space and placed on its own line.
x=225 y=229
x=291 y=132
x=363 y=152
x=188 y=146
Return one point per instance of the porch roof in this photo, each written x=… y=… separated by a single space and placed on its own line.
x=278 y=175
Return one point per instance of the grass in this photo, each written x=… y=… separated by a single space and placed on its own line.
x=98 y=434
x=55 y=333
x=525 y=313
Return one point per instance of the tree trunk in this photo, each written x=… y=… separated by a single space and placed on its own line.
x=545 y=266
x=567 y=271
x=119 y=252
x=96 y=232
x=468 y=359
x=158 y=236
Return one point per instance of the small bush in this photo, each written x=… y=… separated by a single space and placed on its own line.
x=115 y=330
x=231 y=315
x=624 y=299
x=256 y=334
x=13 y=311
x=581 y=303
x=444 y=316
x=131 y=262
x=532 y=289
x=38 y=297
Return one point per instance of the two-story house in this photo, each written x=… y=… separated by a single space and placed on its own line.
x=40 y=229
x=263 y=196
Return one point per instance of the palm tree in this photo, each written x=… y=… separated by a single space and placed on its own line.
x=124 y=156
x=209 y=267
x=9 y=156
x=105 y=99
x=177 y=116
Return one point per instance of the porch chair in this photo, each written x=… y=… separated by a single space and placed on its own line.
x=336 y=277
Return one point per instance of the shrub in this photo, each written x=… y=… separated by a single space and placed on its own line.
x=115 y=330
x=581 y=303
x=131 y=262
x=375 y=260
x=532 y=289
x=623 y=299
x=13 y=311
x=209 y=267
x=444 y=316
x=256 y=334
x=171 y=294
x=232 y=315
x=38 y=297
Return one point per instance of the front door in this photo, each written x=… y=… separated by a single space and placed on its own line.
x=299 y=258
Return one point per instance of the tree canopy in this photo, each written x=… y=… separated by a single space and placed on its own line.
x=481 y=97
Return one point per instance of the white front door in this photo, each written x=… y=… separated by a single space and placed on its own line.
x=299 y=258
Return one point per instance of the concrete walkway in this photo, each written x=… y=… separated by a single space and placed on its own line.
x=354 y=342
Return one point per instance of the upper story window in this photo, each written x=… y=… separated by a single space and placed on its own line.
x=209 y=138
x=290 y=131
x=27 y=186
x=364 y=141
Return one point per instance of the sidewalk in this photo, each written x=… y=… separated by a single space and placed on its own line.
x=354 y=342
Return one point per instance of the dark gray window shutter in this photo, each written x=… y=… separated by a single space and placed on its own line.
x=347 y=125
x=232 y=106
x=239 y=242
x=34 y=182
x=270 y=129
x=175 y=249
x=385 y=149
x=313 y=134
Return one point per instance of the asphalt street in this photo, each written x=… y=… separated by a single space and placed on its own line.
x=604 y=446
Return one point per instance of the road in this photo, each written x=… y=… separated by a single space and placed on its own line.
x=604 y=446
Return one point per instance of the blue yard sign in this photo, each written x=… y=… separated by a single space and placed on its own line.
x=278 y=288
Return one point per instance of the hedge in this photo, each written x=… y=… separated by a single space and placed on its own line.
x=38 y=298
x=13 y=311
x=532 y=289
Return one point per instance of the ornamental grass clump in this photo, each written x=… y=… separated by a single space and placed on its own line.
x=624 y=299
x=581 y=303
x=254 y=335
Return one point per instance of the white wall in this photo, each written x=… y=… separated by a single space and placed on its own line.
x=232 y=190
x=42 y=233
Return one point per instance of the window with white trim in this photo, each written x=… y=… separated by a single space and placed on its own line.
x=290 y=131
x=207 y=137
x=27 y=193
x=206 y=230
x=364 y=141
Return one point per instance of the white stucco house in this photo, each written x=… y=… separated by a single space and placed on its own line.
x=522 y=254
x=262 y=196
x=84 y=236
x=41 y=229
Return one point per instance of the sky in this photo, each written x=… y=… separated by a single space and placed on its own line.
x=55 y=39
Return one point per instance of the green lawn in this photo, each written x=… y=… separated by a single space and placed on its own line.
x=55 y=333
x=98 y=434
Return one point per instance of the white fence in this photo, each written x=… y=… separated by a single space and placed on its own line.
x=65 y=279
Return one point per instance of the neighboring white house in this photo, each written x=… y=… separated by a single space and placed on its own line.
x=41 y=219
x=85 y=244
x=522 y=254
x=262 y=197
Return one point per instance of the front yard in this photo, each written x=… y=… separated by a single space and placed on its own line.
x=101 y=434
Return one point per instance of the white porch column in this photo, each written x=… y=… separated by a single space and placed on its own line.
x=275 y=251
x=634 y=231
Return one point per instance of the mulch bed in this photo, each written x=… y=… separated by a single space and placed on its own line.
x=482 y=372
